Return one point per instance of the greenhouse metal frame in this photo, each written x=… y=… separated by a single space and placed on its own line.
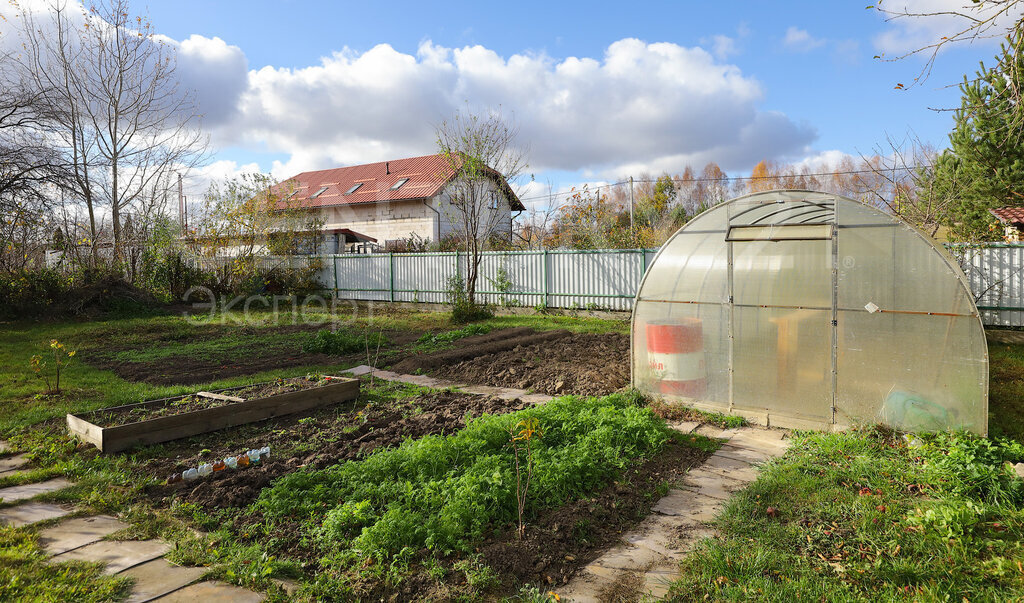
x=811 y=310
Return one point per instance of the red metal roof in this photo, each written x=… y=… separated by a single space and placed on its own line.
x=1010 y=215
x=426 y=175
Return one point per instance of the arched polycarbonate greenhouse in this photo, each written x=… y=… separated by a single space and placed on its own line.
x=805 y=309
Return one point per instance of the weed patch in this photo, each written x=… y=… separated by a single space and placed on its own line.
x=865 y=516
x=344 y=342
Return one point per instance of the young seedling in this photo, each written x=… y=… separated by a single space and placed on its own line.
x=523 y=434
x=61 y=358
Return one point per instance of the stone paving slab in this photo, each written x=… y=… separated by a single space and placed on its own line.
x=386 y=375
x=725 y=463
x=537 y=398
x=628 y=558
x=775 y=435
x=685 y=426
x=211 y=592
x=658 y=580
x=357 y=371
x=744 y=474
x=16 y=493
x=709 y=431
x=78 y=532
x=118 y=556
x=32 y=512
x=773 y=447
x=4 y=446
x=10 y=464
x=738 y=453
x=689 y=505
x=158 y=577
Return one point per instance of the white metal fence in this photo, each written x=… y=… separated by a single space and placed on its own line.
x=597 y=279
x=996 y=274
x=605 y=279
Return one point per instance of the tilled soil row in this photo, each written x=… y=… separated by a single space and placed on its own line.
x=497 y=341
x=585 y=364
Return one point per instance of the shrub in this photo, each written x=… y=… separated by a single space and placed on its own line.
x=342 y=342
x=463 y=310
x=30 y=292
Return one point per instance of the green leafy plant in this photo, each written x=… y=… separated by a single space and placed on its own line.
x=61 y=358
x=446 y=493
x=430 y=340
x=342 y=342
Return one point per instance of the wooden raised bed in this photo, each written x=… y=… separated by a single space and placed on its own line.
x=165 y=429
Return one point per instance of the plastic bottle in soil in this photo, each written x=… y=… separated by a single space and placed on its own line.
x=174 y=478
x=243 y=461
x=231 y=462
x=219 y=466
x=254 y=455
x=205 y=469
x=190 y=474
x=265 y=452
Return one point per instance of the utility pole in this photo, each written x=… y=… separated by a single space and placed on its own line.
x=181 y=205
x=631 y=202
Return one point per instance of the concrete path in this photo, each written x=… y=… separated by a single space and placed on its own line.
x=647 y=561
x=82 y=539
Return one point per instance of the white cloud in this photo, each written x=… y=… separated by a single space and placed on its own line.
x=800 y=40
x=905 y=34
x=639 y=104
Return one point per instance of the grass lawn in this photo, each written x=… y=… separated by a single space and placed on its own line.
x=869 y=516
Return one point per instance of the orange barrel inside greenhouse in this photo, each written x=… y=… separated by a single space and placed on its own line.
x=675 y=350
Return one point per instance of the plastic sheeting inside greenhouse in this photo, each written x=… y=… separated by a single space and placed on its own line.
x=810 y=310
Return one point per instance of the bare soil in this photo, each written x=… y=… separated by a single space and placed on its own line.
x=191 y=403
x=552 y=362
x=561 y=541
x=189 y=369
x=325 y=438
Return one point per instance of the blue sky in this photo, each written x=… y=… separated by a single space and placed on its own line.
x=787 y=81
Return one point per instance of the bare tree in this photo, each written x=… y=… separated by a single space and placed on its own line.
x=974 y=20
x=480 y=151
x=122 y=121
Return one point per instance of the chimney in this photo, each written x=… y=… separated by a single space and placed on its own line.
x=387 y=167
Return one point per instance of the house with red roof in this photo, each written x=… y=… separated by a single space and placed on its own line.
x=1012 y=219
x=375 y=206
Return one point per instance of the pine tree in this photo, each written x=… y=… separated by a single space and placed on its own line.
x=984 y=166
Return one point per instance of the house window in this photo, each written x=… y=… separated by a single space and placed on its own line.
x=354 y=188
x=494 y=202
x=399 y=184
x=318 y=193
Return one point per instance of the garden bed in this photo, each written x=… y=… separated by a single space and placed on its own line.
x=122 y=427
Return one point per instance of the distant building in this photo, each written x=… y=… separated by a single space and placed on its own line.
x=376 y=206
x=1012 y=219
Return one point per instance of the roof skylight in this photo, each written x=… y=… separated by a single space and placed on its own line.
x=354 y=188
x=318 y=193
x=399 y=184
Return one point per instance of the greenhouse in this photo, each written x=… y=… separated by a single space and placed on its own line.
x=810 y=310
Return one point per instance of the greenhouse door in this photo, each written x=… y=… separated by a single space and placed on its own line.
x=782 y=284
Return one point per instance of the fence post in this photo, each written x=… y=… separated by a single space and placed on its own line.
x=391 y=273
x=335 y=258
x=544 y=276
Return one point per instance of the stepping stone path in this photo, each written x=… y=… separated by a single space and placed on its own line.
x=648 y=559
x=81 y=539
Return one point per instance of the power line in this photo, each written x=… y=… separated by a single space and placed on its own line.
x=554 y=196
